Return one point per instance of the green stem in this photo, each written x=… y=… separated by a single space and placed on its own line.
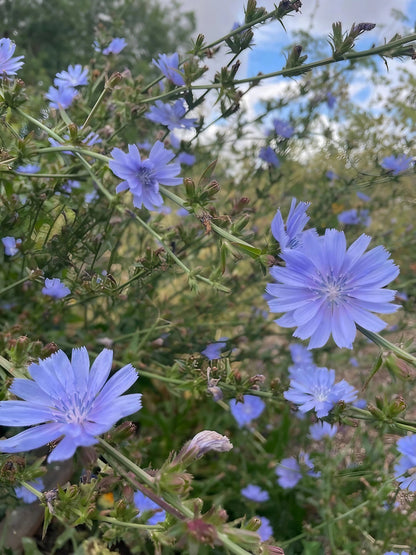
x=290 y=72
x=74 y=149
x=33 y=490
x=95 y=107
x=146 y=527
x=385 y=344
x=127 y=463
x=225 y=234
x=11 y=286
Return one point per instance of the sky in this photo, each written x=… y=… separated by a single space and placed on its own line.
x=215 y=18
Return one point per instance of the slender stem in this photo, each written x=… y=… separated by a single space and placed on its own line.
x=12 y=285
x=290 y=72
x=385 y=344
x=74 y=149
x=111 y=520
x=33 y=490
x=95 y=107
x=229 y=236
x=127 y=463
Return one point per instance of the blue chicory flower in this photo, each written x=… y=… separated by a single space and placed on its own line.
x=354 y=217
x=322 y=429
x=245 y=412
x=169 y=66
x=301 y=356
x=396 y=165
x=55 y=288
x=66 y=398
x=11 y=245
x=213 y=350
x=255 y=493
x=267 y=154
x=363 y=196
x=283 y=128
x=62 y=97
x=70 y=185
x=9 y=64
x=315 y=388
x=326 y=289
x=331 y=100
x=407 y=448
x=290 y=235
x=144 y=504
x=396 y=553
x=331 y=175
x=289 y=470
x=28 y=168
x=90 y=197
x=115 y=46
x=143 y=177
x=182 y=212
x=75 y=76
x=171 y=115
x=26 y=495
x=265 y=531
x=186 y=158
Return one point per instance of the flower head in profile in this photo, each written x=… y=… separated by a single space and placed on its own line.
x=331 y=175
x=203 y=442
x=396 y=165
x=169 y=66
x=322 y=429
x=245 y=412
x=316 y=389
x=396 y=553
x=290 y=235
x=255 y=493
x=65 y=399
x=144 y=504
x=283 y=128
x=27 y=496
x=327 y=289
x=115 y=46
x=171 y=115
x=354 y=217
x=55 y=288
x=9 y=64
x=143 y=177
x=11 y=245
x=213 y=350
x=61 y=97
x=267 y=154
x=73 y=77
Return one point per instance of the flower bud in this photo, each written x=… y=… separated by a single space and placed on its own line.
x=203 y=442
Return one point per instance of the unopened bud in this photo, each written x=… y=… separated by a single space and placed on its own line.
x=203 y=442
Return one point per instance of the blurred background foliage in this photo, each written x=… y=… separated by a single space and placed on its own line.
x=129 y=295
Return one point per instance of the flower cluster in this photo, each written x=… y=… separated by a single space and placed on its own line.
x=64 y=92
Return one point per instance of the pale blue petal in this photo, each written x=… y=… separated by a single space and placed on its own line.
x=100 y=371
x=22 y=413
x=32 y=438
